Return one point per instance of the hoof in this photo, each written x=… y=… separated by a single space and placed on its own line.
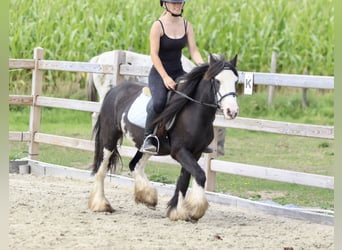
x=196 y=203
x=196 y=211
x=178 y=212
x=147 y=197
x=175 y=214
x=97 y=204
x=145 y=193
x=101 y=208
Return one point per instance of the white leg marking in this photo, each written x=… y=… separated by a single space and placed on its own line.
x=144 y=192
x=178 y=213
x=196 y=202
x=97 y=201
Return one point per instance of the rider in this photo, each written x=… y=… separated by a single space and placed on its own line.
x=168 y=36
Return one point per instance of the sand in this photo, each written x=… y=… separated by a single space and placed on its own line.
x=52 y=213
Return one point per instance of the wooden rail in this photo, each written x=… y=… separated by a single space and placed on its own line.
x=135 y=65
x=270 y=79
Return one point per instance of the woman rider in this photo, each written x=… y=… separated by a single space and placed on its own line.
x=168 y=36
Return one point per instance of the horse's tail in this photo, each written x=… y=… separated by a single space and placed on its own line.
x=98 y=153
x=99 y=146
x=91 y=90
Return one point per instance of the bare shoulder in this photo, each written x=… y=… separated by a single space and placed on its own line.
x=188 y=26
x=156 y=28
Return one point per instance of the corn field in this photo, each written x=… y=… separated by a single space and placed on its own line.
x=301 y=31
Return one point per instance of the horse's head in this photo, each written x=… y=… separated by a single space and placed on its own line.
x=225 y=77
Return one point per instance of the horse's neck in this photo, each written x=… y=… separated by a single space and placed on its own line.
x=206 y=96
x=205 y=92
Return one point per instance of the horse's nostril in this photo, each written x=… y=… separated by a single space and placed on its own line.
x=232 y=114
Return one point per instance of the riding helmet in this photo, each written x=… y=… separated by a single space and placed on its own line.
x=171 y=1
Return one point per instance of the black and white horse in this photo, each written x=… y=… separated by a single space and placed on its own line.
x=191 y=108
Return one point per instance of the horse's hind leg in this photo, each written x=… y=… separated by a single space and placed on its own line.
x=144 y=192
x=135 y=160
x=97 y=201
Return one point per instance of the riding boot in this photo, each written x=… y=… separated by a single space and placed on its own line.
x=208 y=150
x=151 y=141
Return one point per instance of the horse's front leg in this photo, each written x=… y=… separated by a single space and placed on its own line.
x=176 y=210
x=195 y=203
x=144 y=192
x=97 y=201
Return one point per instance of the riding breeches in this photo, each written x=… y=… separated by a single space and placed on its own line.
x=158 y=89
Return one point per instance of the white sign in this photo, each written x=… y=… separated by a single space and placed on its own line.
x=249 y=81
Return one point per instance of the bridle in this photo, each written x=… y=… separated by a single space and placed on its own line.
x=217 y=101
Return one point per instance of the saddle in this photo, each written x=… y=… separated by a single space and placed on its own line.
x=137 y=112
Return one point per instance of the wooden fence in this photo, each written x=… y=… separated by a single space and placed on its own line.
x=127 y=63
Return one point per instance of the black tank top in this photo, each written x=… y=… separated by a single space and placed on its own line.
x=170 y=51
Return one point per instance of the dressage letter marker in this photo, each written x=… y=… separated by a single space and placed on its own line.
x=249 y=80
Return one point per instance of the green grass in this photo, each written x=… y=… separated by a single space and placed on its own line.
x=283 y=193
x=279 y=151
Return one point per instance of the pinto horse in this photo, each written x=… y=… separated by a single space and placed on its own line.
x=191 y=108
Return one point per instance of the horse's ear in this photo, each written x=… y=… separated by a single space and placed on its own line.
x=234 y=61
x=212 y=58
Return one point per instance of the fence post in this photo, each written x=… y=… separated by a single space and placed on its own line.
x=273 y=70
x=119 y=58
x=37 y=79
x=211 y=175
x=305 y=92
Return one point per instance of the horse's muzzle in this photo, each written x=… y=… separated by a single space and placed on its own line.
x=230 y=113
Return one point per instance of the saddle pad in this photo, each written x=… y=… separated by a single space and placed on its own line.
x=137 y=113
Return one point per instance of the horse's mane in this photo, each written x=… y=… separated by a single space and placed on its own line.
x=188 y=84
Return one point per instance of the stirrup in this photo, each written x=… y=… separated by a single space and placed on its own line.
x=144 y=144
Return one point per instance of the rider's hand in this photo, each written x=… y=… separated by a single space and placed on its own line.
x=169 y=83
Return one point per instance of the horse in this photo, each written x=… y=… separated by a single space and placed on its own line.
x=184 y=129
x=98 y=84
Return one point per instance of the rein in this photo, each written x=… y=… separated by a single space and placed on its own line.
x=216 y=106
